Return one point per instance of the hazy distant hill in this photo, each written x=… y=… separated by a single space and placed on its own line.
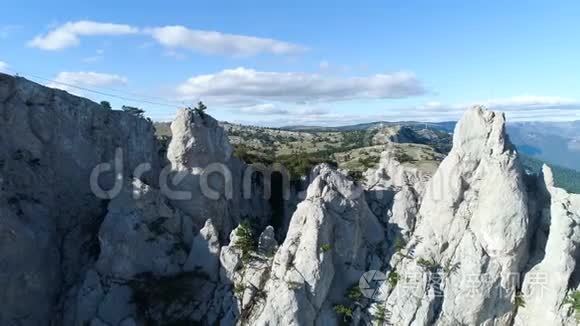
x=444 y=126
x=554 y=142
x=563 y=177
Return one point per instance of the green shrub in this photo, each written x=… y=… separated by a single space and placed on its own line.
x=356 y=175
x=249 y=156
x=427 y=264
x=519 y=300
x=400 y=244
x=381 y=316
x=450 y=269
x=133 y=110
x=246 y=241
x=403 y=157
x=355 y=139
x=393 y=278
x=105 y=105
x=573 y=300
x=368 y=161
x=294 y=285
x=344 y=311
x=325 y=247
x=354 y=293
x=239 y=289
x=200 y=108
x=300 y=164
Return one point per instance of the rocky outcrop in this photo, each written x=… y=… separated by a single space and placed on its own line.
x=394 y=194
x=549 y=283
x=205 y=180
x=197 y=141
x=50 y=142
x=155 y=241
x=152 y=269
x=478 y=242
x=332 y=240
x=473 y=223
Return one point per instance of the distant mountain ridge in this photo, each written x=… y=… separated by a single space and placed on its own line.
x=553 y=142
x=445 y=126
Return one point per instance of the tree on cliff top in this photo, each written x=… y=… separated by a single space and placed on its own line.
x=133 y=110
x=200 y=108
x=106 y=105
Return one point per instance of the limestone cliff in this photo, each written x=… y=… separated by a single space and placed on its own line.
x=50 y=142
x=479 y=242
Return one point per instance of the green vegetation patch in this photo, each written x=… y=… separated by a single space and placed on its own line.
x=247 y=241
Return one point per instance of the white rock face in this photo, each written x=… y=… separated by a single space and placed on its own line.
x=151 y=261
x=213 y=180
x=458 y=247
x=50 y=141
x=140 y=235
x=326 y=250
x=139 y=231
x=150 y=239
x=204 y=253
x=472 y=233
x=267 y=243
x=197 y=141
x=547 y=284
x=394 y=194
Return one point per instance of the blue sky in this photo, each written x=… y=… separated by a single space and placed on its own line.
x=329 y=63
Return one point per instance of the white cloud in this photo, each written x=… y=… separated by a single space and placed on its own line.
x=263 y=109
x=517 y=108
x=311 y=111
x=68 y=35
x=66 y=80
x=529 y=101
x=323 y=65
x=172 y=37
x=243 y=86
x=211 y=42
x=270 y=109
x=3 y=67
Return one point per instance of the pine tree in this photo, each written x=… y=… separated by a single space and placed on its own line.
x=133 y=110
x=201 y=107
x=106 y=105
